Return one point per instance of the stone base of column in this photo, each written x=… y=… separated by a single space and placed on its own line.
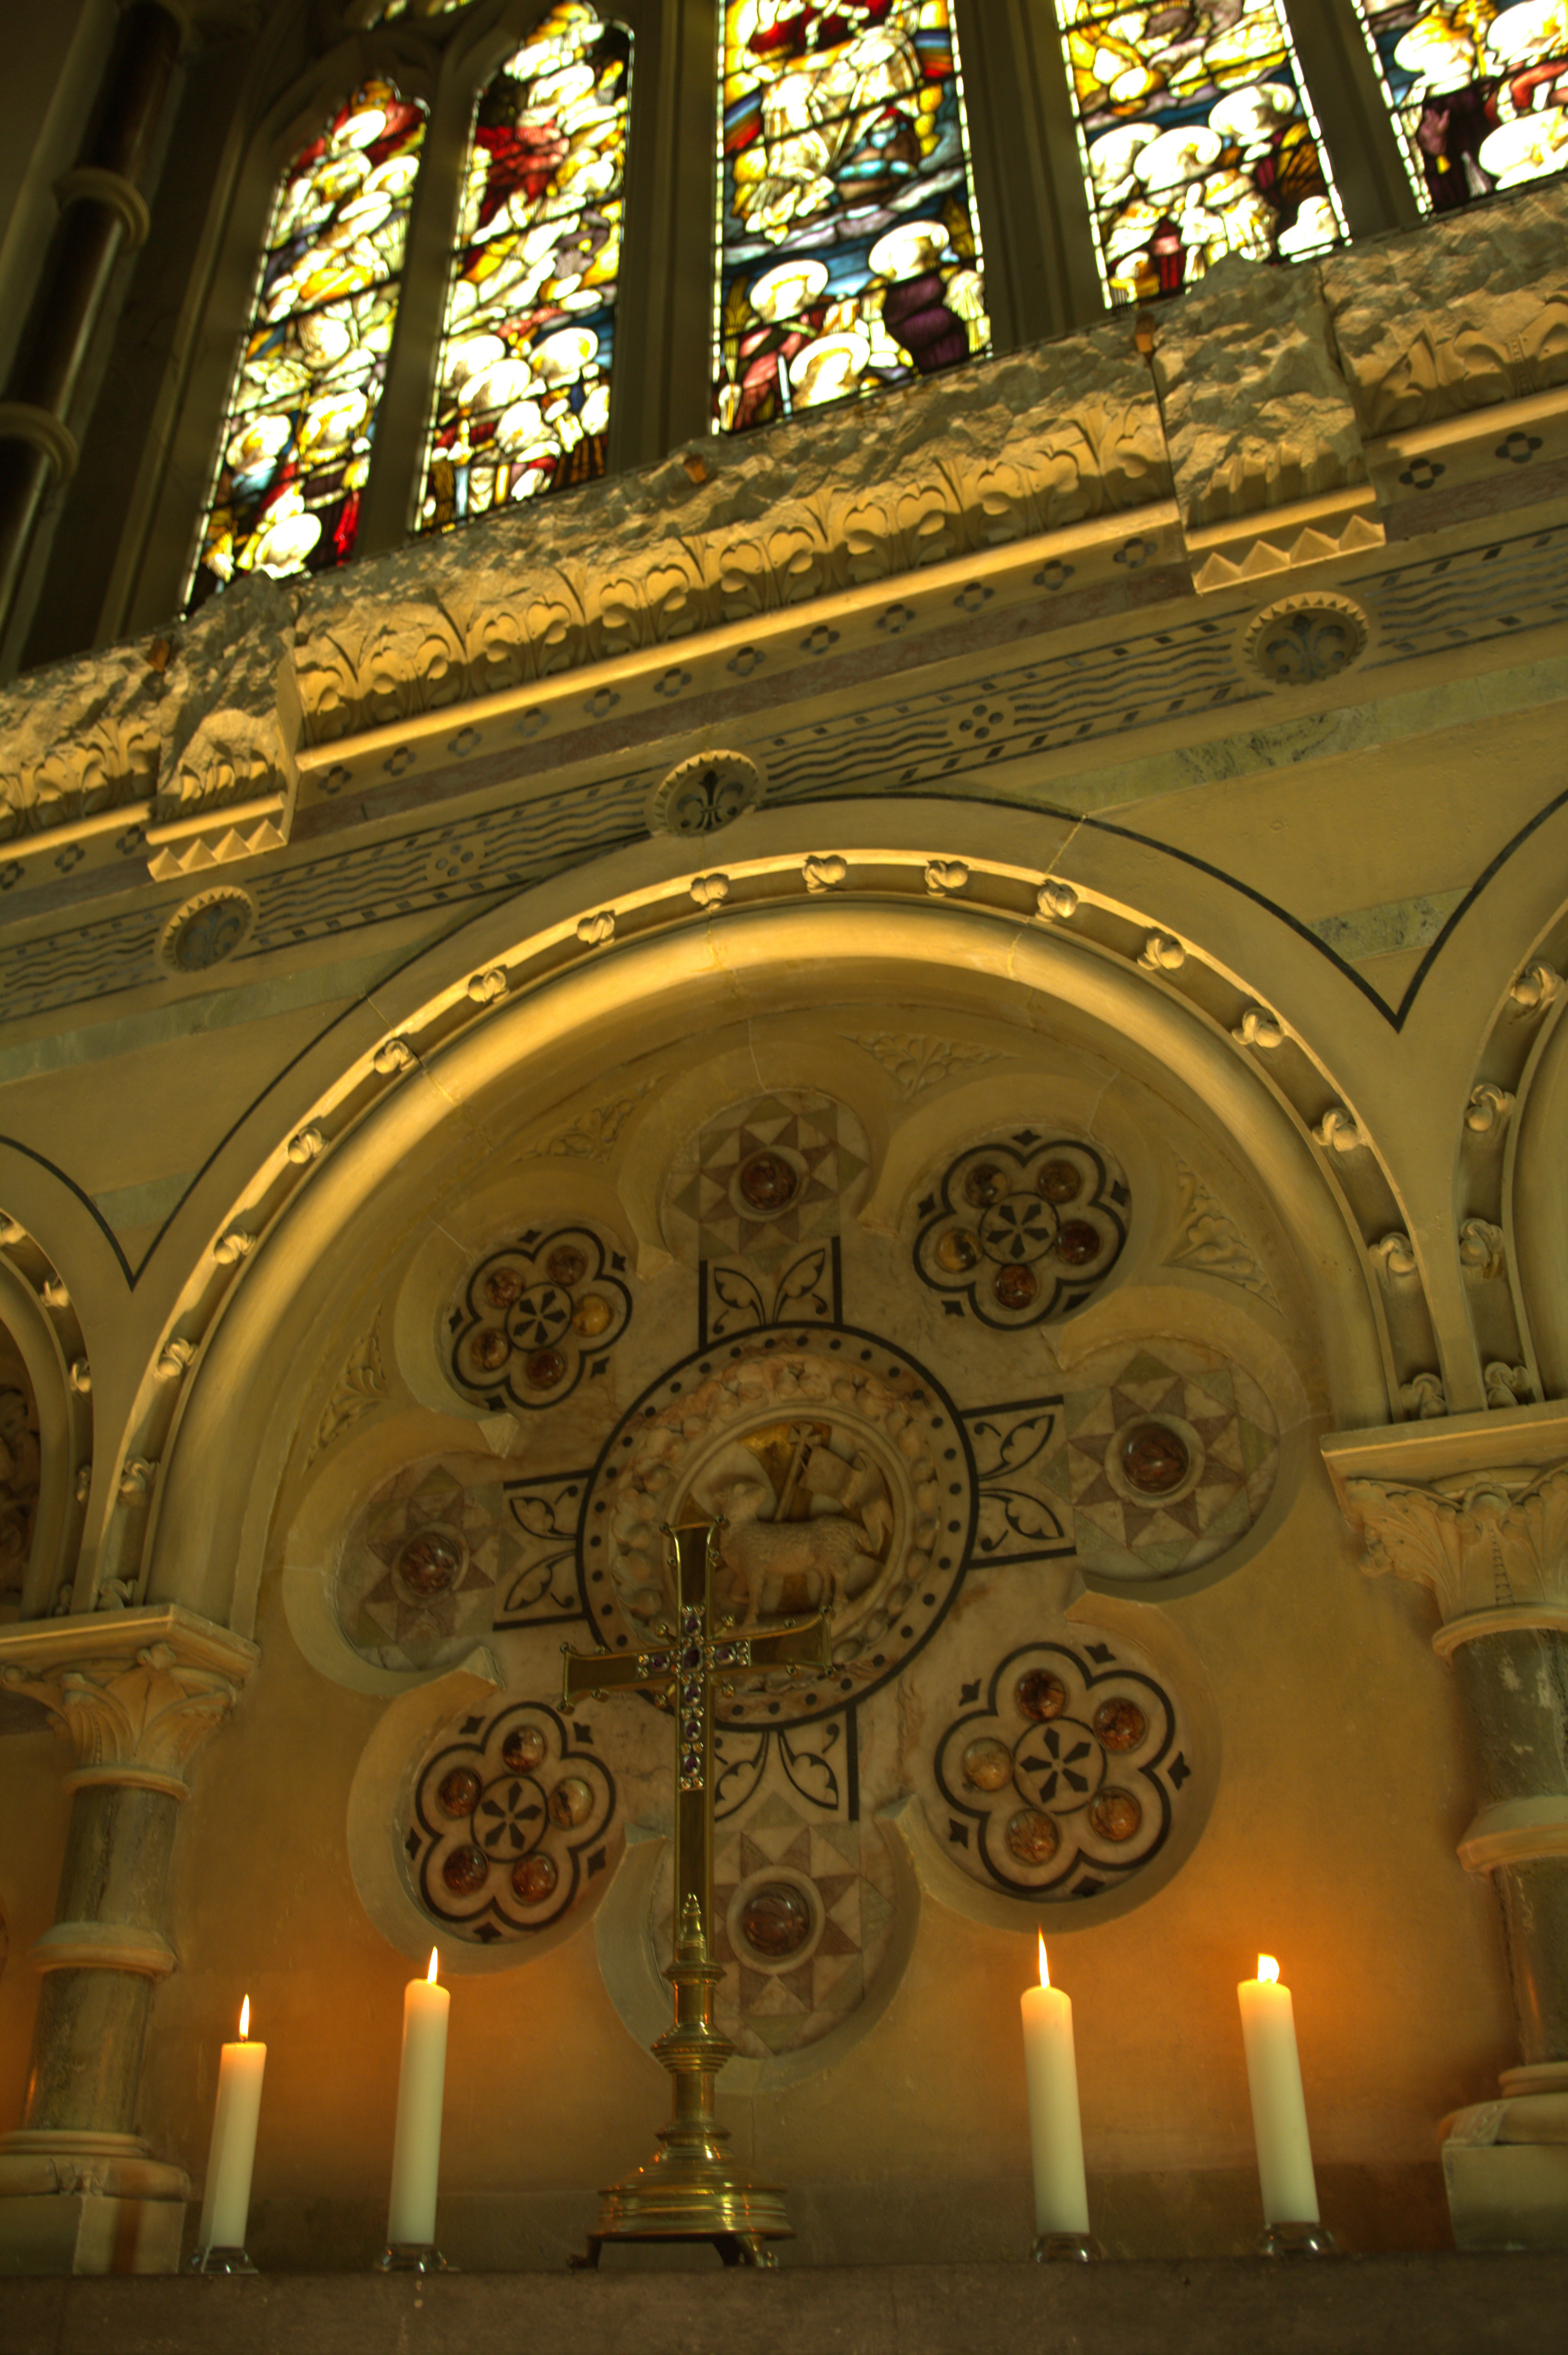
x=88 y=2204
x=1505 y=2165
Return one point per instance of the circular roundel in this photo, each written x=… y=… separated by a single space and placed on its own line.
x=1022 y=1229
x=845 y=1483
x=207 y=929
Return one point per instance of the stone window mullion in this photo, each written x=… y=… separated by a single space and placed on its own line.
x=1041 y=276
x=1368 y=169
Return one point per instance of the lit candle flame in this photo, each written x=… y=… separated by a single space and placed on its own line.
x=1044 y=1973
x=245 y=2019
x=1268 y=1970
x=431 y=1973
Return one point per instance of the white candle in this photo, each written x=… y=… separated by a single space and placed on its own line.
x=1056 y=2136
x=226 y=2203
x=1279 y=2106
x=416 y=2145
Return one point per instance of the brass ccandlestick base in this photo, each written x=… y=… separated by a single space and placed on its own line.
x=1298 y=2241
x=689 y=2191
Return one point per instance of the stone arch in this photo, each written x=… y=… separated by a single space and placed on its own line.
x=783 y=945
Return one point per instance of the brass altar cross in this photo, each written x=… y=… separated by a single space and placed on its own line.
x=689 y=2190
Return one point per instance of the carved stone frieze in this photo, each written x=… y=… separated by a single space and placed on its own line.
x=1043 y=439
x=1469 y=313
x=1491 y=1543
x=137 y=1694
x=1256 y=414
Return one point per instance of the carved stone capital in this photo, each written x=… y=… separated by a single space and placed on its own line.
x=1474 y=1507
x=137 y=1694
x=1496 y=1544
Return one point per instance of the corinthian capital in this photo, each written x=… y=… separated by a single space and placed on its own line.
x=137 y=1694
x=1496 y=1542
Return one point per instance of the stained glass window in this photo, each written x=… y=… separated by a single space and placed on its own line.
x=849 y=251
x=295 y=447
x=1478 y=90
x=523 y=383
x=1198 y=141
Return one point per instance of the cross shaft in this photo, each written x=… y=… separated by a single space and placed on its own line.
x=689 y=2190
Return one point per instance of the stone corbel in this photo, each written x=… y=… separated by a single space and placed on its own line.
x=137 y=1693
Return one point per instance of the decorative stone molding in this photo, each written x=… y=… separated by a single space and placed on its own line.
x=1302 y=641
x=207 y=930
x=1057 y=903
x=1259 y=1028
x=1534 y=989
x=1043 y=440
x=137 y=1693
x=1340 y=1131
x=1162 y=953
x=1423 y=1397
x=1487 y=1112
x=709 y=791
x=1395 y=1256
x=1414 y=342
x=1493 y=1544
x=1480 y=1250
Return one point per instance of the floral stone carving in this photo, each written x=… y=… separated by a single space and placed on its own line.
x=845 y=1480
x=1022 y=1229
x=1302 y=641
x=512 y=1816
x=1498 y=1542
x=1064 y=1782
x=207 y=930
x=705 y=793
x=537 y=1314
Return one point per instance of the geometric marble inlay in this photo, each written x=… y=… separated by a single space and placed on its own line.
x=420 y=1584
x=1215 y=1415
x=768 y=1179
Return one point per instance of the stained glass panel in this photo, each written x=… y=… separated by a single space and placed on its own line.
x=295 y=449
x=1478 y=90
x=523 y=383
x=849 y=250
x=1198 y=141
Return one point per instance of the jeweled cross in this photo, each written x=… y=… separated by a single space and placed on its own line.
x=689 y=2190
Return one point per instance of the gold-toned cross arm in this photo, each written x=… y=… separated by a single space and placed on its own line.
x=585 y=1674
x=804 y=1642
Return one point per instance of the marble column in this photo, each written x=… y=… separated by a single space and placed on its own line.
x=1440 y=1505
x=136 y=1693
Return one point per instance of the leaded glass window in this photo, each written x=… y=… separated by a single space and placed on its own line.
x=1479 y=91
x=1198 y=141
x=522 y=400
x=295 y=447
x=849 y=246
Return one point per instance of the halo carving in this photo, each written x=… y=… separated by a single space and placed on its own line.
x=844 y=1479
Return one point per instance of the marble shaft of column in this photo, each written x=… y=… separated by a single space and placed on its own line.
x=92 y=2023
x=103 y=216
x=1514 y=1684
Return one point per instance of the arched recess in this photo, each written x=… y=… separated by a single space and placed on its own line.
x=56 y=1267
x=446 y=1116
